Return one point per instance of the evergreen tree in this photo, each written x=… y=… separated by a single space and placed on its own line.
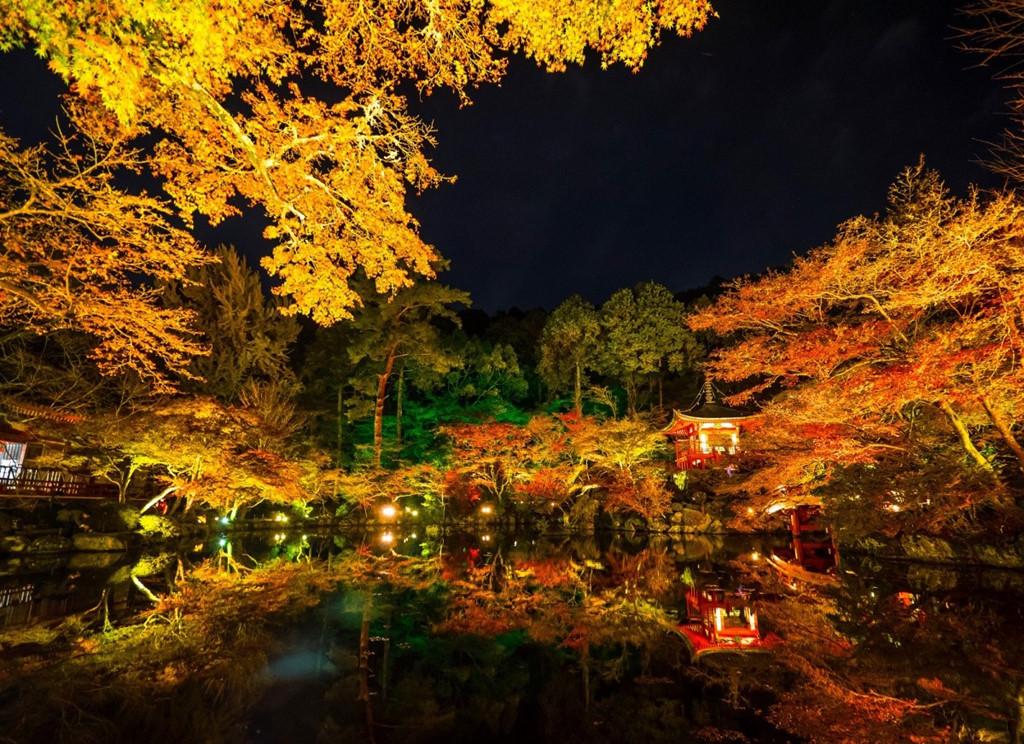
x=645 y=337
x=391 y=333
x=569 y=346
x=489 y=372
x=249 y=338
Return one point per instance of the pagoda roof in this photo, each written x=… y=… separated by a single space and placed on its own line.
x=711 y=412
x=23 y=434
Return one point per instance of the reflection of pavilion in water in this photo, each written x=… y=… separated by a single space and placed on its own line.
x=718 y=619
x=17 y=603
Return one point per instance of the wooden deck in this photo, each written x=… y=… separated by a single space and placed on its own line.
x=51 y=484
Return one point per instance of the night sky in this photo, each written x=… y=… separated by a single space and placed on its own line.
x=726 y=154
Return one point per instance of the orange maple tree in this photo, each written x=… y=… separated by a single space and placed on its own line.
x=76 y=246
x=918 y=307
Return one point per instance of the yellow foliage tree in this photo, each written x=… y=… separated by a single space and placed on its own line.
x=213 y=83
x=76 y=245
x=223 y=457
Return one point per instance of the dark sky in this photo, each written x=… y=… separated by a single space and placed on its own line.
x=726 y=154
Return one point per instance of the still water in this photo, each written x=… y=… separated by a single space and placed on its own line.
x=405 y=636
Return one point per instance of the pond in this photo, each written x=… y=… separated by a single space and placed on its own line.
x=424 y=636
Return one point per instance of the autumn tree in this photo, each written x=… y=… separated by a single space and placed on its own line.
x=401 y=330
x=916 y=307
x=80 y=254
x=201 y=450
x=994 y=31
x=644 y=336
x=58 y=371
x=490 y=456
x=249 y=338
x=569 y=347
x=214 y=89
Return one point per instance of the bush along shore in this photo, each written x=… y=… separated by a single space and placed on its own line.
x=553 y=473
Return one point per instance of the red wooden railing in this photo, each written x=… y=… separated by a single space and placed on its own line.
x=51 y=483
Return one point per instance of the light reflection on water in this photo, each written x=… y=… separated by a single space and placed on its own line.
x=455 y=636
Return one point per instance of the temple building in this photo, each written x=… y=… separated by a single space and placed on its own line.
x=706 y=433
x=20 y=446
x=31 y=462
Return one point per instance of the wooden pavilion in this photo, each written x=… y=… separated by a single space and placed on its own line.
x=706 y=433
x=24 y=453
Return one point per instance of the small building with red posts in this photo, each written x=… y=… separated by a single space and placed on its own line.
x=23 y=452
x=812 y=556
x=707 y=433
x=20 y=446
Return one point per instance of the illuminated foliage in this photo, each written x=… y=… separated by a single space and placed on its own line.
x=919 y=307
x=568 y=466
x=615 y=445
x=556 y=486
x=401 y=330
x=249 y=339
x=643 y=493
x=224 y=457
x=994 y=30
x=569 y=345
x=487 y=373
x=492 y=457
x=365 y=489
x=644 y=337
x=331 y=179
x=626 y=458
x=76 y=246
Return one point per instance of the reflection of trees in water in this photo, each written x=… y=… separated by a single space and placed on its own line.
x=509 y=639
x=187 y=670
x=897 y=652
x=593 y=633
x=454 y=642
x=48 y=589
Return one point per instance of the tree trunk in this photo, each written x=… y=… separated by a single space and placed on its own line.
x=400 y=393
x=965 y=436
x=661 y=392
x=156 y=499
x=378 y=412
x=1007 y=433
x=341 y=425
x=631 y=396
x=364 y=668
x=125 y=481
x=577 y=392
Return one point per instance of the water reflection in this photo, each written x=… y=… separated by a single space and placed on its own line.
x=41 y=589
x=719 y=620
x=409 y=634
x=811 y=555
